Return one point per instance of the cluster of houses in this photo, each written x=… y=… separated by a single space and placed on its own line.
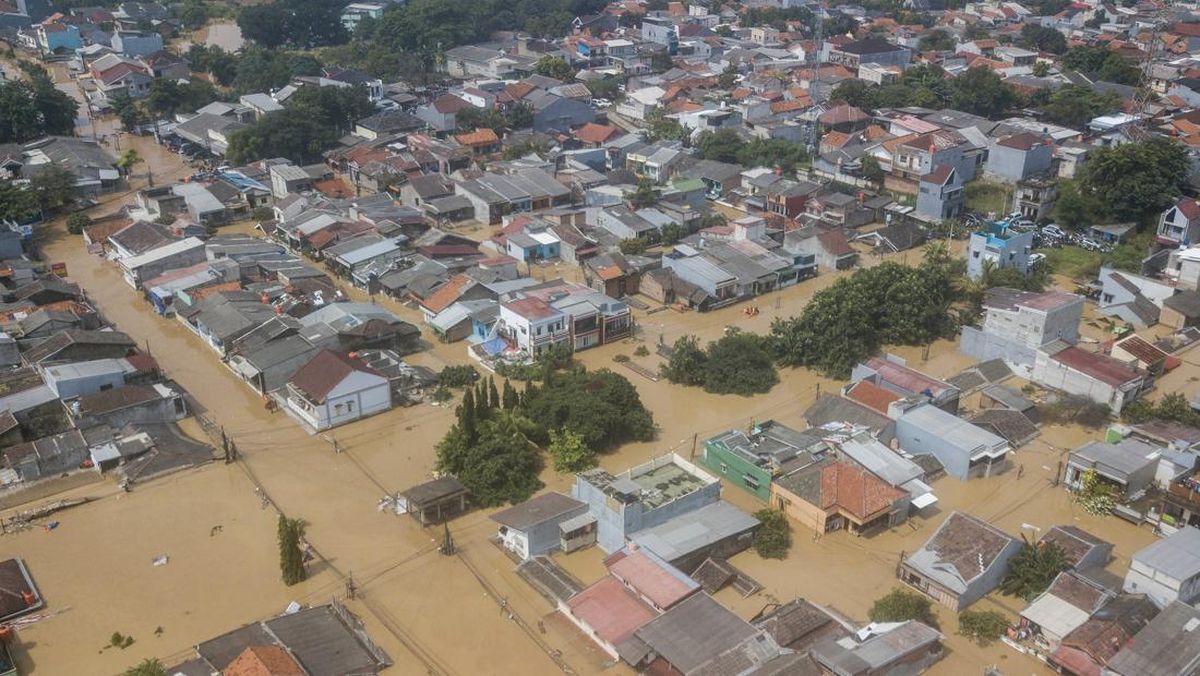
x=79 y=395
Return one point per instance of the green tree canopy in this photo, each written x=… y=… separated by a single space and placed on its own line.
x=53 y=186
x=739 y=363
x=569 y=451
x=304 y=24
x=900 y=605
x=1076 y=105
x=688 y=364
x=773 y=539
x=291 y=557
x=555 y=67
x=1032 y=570
x=1043 y=39
x=312 y=121
x=1136 y=181
x=33 y=107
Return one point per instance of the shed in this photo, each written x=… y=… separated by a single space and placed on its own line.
x=436 y=501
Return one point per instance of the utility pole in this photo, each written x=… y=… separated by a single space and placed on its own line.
x=447 y=547
x=351 y=588
x=695 y=437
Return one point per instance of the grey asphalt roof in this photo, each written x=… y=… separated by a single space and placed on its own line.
x=1145 y=655
x=953 y=430
x=695 y=631
x=323 y=643
x=537 y=510
x=695 y=530
x=1121 y=459
x=878 y=651
x=1177 y=556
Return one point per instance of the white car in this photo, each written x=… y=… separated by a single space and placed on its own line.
x=1054 y=231
x=601 y=103
x=1036 y=259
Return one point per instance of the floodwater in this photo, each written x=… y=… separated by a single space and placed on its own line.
x=424 y=609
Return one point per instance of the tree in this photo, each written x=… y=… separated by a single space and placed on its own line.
x=937 y=41
x=854 y=92
x=1101 y=63
x=901 y=605
x=53 y=187
x=34 y=107
x=982 y=626
x=128 y=111
x=738 y=363
x=77 y=221
x=1076 y=105
x=128 y=160
x=776 y=153
x=633 y=246
x=555 y=67
x=661 y=62
x=501 y=465
x=1041 y=69
x=773 y=539
x=150 y=666
x=601 y=406
x=673 y=232
x=1033 y=568
x=728 y=77
x=315 y=117
x=301 y=23
x=1095 y=494
x=569 y=451
x=1136 y=181
x=16 y=203
x=1043 y=39
x=659 y=127
x=510 y=398
x=167 y=97
x=688 y=363
x=722 y=145
x=291 y=557
x=980 y=91
x=871 y=169
x=645 y=195
x=1073 y=210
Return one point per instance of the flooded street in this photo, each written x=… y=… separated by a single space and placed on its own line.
x=416 y=604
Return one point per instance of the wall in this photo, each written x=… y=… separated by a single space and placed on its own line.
x=359 y=395
x=1161 y=588
x=913 y=439
x=1049 y=373
x=733 y=468
x=805 y=513
x=545 y=537
x=991 y=578
x=166 y=409
x=984 y=346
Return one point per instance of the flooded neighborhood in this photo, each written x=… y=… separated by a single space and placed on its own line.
x=636 y=337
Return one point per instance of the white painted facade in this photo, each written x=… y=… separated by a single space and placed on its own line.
x=360 y=394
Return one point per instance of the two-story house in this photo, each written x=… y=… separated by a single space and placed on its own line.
x=1180 y=224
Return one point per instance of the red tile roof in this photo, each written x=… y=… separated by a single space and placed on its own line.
x=1189 y=208
x=596 y=133
x=263 y=660
x=447 y=293
x=1140 y=350
x=835 y=242
x=1098 y=366
x=532 y=308
x=1022 y=141
x=610 y=610
x=872 y=396
x=650 y=577
x=855 y=490
x=479 y=137
x=324 y=372
x=449 y=104
x=906 y=378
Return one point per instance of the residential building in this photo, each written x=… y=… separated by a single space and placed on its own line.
x=436 y=501
x=179 y=254
x=1167 y=570
x=835 y=495
x=1090 y=646
x=1067 y=604
x=873 y=50
x=334 y=389
x=535 y=527
x=998 y=247
x=1133 y=298
x=633 y=500
x=1036 y=196
x=355 y=12
x=753 y=459
x=137 y=43
x=908 y=647
x=893 y=374
x=717 y=530
x=695 y=636
x=961 y=562
x=1019 y=156
x=1129 y=466
x=533 y=325
x=966 y=451
x=1098 y=377
x=1147 y=654
x=661 y=31
x=940 y=194
x=1018 y=323
x=1083 y=550
x=1179 y=225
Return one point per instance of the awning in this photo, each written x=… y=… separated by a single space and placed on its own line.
x=923 y=501
x=575 y=523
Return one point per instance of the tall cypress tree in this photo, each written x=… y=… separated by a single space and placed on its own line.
x=481 y=402
x=291 y=559
x=493 y=394
x=466 y=415
x=511 y=398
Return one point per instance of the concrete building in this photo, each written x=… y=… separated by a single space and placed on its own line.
x=940 y=194
x=1019 y=156
x=1180 y=224
x=964 y=560
x=661 y=31
x=1133 y=298
x=1167 y=570
x=643 y=496
x=836 y=495
x=753 y=459
x=870 y=50
x=532 y=528
x=1129 y=465
x=334 y=389
x=893 y=374
x=998 y=247
x=966 y=451
x=180 y=254
x=1017 y=323
x=1098 y=377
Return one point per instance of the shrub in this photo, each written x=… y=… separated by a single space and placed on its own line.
x=620 y=358
x=900 y=605
x=76 y=222
x=458 y=376
x=641 y=351
x=1033 y=569
x=773 y=538
x=982 y=626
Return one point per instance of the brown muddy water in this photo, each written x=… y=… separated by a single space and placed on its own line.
x=432 y=613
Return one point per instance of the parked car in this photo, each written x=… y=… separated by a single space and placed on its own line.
x=1054 y=231
x=1036 y=259
x=601 y=103
x=1090 y=244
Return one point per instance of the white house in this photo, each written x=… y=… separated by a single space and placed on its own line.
x=1167 y=570
x=334 y=389
x=533 y=325
x=179 y=254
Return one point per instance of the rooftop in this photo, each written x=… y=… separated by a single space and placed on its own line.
x=1177 y=556
x=652 y=484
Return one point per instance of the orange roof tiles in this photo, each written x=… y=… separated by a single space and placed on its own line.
x=479 y=137
x=855 y=490
x=263 y=660
x=872 y=396
x=447 y=293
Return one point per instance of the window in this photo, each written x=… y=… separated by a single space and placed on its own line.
x=974 y=254
x=750 y=481
x=724 y=468
x=1107 y=298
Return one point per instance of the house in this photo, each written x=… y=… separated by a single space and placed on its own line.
x=93 y=166
x=964 y=560
x=752 y=459
x=998 y=247
x=1035 y=198
x=829 y=408
x=1090 y=646
x=1098 y=377
x=46 y=457
x=19 y=594
x=1068 y=603
x=628 y=502
x=694 y=637
x=73 y=379
x=179 y=254
x=1018 y=323
x=1140 y=354
x=798 y=624
x=829 y=248
x=833 y=495
x=221 y=317
x=717 y=530
x=1167 y=570
x=908 y=647
x=497 y=195
x=1131 y=297
x=137 y=43
x=966 y=451
x=1181 y=310
x=996 y=396
x=435 y=501
x=534 y=527
x=893 y=374
x=940 y=194
x=608 y=613
x=74 y=345
x=131 y=404
x=559 y=114
x=1128 y=466
x=856 y=445
x=875 y=51
x=1019 y=156
x=334 y=389
x=1179 y=225
x=1147 y=655
x=269 y=660
x=1083 y=550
